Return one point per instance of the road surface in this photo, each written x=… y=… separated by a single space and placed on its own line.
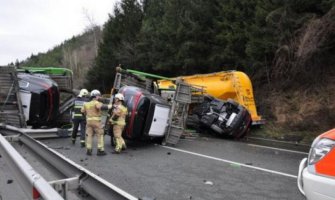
x=197 y=168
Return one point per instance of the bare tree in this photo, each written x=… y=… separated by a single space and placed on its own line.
x=92 y=27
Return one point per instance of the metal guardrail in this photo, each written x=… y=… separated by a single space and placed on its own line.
x=279 y=141
x=94 y=185
x=11 y=110
x=47 y=133
x=36 y=133
x=28 y=178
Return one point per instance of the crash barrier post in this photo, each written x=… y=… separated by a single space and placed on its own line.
x=92 y=184
x=33 y=184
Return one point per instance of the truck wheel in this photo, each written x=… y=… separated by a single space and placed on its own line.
x=244 y=125
x=246 y=132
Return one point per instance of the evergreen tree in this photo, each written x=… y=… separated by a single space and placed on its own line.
x=119 y=45
x=177 y=35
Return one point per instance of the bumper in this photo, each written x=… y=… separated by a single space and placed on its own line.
x=315 y=187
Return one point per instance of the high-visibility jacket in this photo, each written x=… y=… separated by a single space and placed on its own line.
x=78 y=104
x=119 y=115
x=92 y=110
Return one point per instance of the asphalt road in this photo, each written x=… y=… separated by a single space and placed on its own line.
x=200 y=168
x=9 y=187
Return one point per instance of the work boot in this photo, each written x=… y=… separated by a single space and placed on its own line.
x=89 y=152
x=124 y=147
x=101 y=153
x=113 y=143
x=73 y=140
x=116 y=152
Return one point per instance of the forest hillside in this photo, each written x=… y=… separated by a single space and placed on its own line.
x=285 y=46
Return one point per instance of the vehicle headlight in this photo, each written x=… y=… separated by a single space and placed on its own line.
x=319 y=149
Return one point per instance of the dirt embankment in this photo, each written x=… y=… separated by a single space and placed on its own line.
x=300 y=98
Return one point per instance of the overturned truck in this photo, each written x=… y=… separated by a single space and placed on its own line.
x=159 y=107
x=35 y=97
x=202 y=112
x=148 y=113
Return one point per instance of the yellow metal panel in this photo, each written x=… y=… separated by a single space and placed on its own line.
x=222 y=85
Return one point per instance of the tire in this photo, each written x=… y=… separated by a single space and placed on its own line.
x=242 y=124
x=247 y=131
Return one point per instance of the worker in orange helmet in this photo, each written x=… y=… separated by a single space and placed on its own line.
x=118 y=120
x=92 y=110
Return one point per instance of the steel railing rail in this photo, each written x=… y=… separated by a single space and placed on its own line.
x=47 y=133
x=94 y=185
x=28 y=178
x=279 y=141
x=35 y=133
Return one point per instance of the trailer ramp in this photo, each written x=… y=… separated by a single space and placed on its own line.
x=11 y=110
x=178 y=113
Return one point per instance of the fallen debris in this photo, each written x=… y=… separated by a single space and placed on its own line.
x=208 y=182
x=235 y=165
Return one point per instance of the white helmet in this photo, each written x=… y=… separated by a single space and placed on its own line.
x=83 y=92
x=95 y=93
x=119 y=96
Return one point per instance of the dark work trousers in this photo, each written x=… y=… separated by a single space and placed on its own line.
x=76 y=123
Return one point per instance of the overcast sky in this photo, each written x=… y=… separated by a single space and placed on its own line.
x=33 y=26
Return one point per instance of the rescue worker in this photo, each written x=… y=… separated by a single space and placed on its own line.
x=78 y=119
x=118 y=120
x=92 y=110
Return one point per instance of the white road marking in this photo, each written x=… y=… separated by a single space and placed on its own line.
x=279 y=149
x=232 y=162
